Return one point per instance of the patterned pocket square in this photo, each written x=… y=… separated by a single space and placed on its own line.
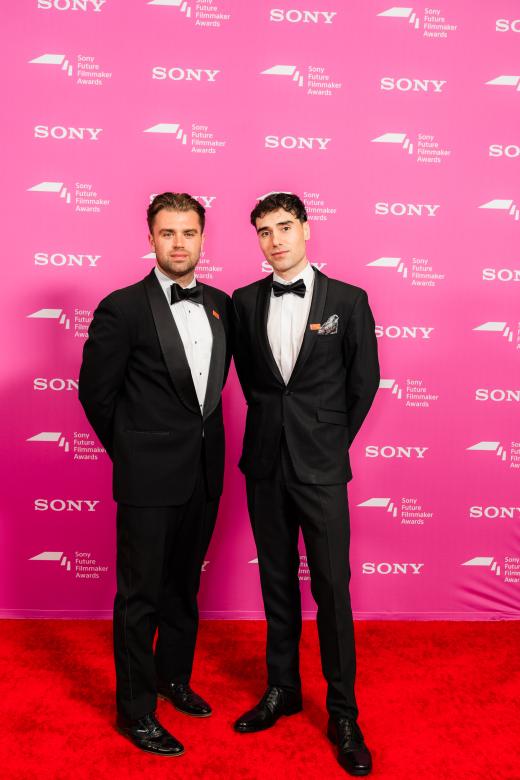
x=330 y=327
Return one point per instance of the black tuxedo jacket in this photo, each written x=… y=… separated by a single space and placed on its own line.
x=136 y=388
x=330 y=390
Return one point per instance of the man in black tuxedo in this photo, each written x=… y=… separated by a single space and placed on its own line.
x=156 y=359
x=307 y=361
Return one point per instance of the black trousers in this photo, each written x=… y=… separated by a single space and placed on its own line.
x=278 y=507
x=160 y=552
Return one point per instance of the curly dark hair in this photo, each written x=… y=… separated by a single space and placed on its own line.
x=287 y=201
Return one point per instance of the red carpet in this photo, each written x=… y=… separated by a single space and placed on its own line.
x=437 y=700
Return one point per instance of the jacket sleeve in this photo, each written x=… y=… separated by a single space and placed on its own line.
x=230 y=320
x=241 y=350
x=102 y=373
x=360 y=350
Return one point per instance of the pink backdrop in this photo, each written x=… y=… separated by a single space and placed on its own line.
x=399 y=127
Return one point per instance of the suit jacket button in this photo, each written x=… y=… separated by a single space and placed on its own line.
x=287 y=392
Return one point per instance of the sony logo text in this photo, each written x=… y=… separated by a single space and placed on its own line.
x=60 y=133
x=389 y=451
x=60 y=259
x=502 y=150
x=64 y=505
x=204 y=200
x=296 y=142
x=403 y=331
x=294 y=15
x=493 y=512
x=72 y=5
x=392 y=568
x=506 y=25
x=407 y=209
x=496 y=394
x=389 y=83
x=56 y=384
x=184 y=74
x=502 y=274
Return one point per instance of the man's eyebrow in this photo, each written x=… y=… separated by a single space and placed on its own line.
x=170 y=230
x=285 y=222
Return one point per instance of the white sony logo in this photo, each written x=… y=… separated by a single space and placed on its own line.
x=72 y=5
x=412 y=85
x=296 y=142
x=204 y=200
x=407 y=209
x=294 y=15
x=389 y=451
x=55 y=383
x=504 y=25
x=60 y=259
x=70 y=133
x=502 y=274
x=392 y=568
x=496 y=394
x=503 y=150
x=403 y=331
x=493 y=512
x=64 y=505
x=184 y=74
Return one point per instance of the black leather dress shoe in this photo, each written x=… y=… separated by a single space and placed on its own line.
x=353 y=754
x=147 y=734
x=184 y=699
x=274 y=703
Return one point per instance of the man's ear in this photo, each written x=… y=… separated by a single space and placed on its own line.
x=150 y=239
x=306 y=231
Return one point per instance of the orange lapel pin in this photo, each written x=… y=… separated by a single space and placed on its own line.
x=314 y=326
x=216 y=314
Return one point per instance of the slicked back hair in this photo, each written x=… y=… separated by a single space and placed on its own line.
x=175 y=201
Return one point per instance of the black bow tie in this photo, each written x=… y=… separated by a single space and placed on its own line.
x=193 y=294
x=298 y=288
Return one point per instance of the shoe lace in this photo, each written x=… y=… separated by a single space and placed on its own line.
x=348 y=732
x=186 y=692
x=270 y=697
x=152 y=725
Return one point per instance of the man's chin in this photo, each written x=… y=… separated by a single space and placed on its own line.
x=177 y=270
x=281 y=267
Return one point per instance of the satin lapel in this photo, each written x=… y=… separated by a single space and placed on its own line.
x=171 y=344
x=262 y=312
x=319 y=296
x=218 y=355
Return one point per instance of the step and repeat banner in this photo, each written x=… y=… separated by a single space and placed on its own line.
x=399 y=128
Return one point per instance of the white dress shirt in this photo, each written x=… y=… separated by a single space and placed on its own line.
x=286 y=322
x=195 y=332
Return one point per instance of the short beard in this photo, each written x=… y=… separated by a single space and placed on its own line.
x=173 y=271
